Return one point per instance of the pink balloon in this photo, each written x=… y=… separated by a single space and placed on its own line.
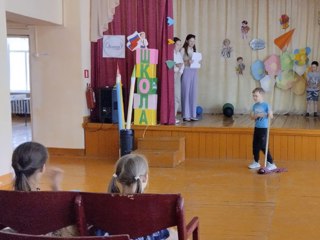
x=272 y=65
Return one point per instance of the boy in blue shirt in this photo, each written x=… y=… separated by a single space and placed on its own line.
x=261 y=113
x=313 y=88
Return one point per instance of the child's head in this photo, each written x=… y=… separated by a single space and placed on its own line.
x=257 y=94
x=239 y=59
x=314 y=66
x=28 y=160
x=244 y=23
x=226 y=42
x=132 y=174
x=142 y=35
x=177 y=43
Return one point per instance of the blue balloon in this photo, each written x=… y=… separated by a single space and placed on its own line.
x=258 y=70
x=199 y=110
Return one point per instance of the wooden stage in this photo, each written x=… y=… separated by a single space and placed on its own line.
x=292 y=137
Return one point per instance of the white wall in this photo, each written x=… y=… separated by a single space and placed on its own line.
x=5 y=119
x=59 y=54
x=58 y=87
x=46 y=10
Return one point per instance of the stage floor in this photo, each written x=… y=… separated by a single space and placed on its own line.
x=244 y=121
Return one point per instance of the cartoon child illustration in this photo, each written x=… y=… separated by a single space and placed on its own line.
x=244 y=29
x=240 y=66
x=226 y=49
x=143 y=42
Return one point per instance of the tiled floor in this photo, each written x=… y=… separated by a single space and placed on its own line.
x=21 y=130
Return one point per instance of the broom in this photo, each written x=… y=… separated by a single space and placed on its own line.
x=264 y=169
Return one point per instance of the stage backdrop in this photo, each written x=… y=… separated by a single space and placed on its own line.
x=212 y=21
x=150 y=17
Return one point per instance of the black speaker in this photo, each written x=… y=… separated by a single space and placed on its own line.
x=104 y=104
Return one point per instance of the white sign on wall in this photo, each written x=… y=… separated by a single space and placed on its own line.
x=113 y=46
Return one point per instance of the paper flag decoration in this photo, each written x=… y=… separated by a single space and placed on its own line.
x=257 y=44
x=272 y=65
x=301 y=56
x=133 y=40
x=284 y=40
x=170 y=64
x=170 y=21
x=267 y=83
x=170 y=41
x=258 y=70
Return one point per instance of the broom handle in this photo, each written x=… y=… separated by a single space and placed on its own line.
x=268 y=130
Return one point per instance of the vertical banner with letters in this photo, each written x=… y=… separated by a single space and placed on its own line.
x=145 y=100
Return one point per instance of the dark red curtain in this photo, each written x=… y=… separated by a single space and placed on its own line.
x=149 y=16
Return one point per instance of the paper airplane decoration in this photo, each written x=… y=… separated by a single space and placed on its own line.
x=170 y=41
x=170 y=64
x=284 y=40
x=170 y=21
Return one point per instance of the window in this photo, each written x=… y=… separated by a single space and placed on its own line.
x=18 y=48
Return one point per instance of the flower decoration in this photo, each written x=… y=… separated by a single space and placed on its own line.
x=301 y=56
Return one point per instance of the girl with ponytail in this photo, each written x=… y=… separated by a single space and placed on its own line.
x=131 y=177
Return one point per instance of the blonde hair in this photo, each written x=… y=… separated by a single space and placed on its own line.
x=128 y=171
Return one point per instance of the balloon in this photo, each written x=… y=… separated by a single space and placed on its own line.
x=286 y=60
x=300 y=70
x=199 y=110
x=299 y=87
x=258 y=70
x=285 y=80
x=267 y=83
x=272 y=65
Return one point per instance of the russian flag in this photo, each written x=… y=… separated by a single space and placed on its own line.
x=133 y=40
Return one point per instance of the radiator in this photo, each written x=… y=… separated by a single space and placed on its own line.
x=20 y=106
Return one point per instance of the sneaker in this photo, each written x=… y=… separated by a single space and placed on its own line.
x=177 y=121
x=271 y=166
x=194 y=119
x=307 y=115
x=315 y=114
x=254 y=164
x=186 y=120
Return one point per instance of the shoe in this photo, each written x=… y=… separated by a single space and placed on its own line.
x=194 y=119
x=254 y=164
x=177 y=121
x=315 y=114
x=271 y=166
x=186 y=120
x=307 y=115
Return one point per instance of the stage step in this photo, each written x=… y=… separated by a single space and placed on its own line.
x=162 y=151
